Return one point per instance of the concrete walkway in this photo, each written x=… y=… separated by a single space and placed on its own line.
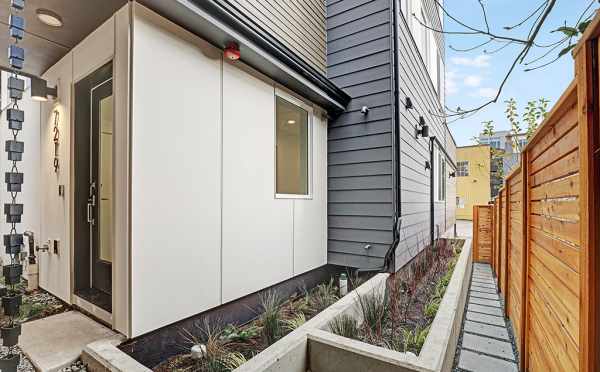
x=485 y=344
x=56 y=341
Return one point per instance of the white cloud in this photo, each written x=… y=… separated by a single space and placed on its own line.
x=472 y=80
x=451 y=85
x=488 y=93
x=481 y=60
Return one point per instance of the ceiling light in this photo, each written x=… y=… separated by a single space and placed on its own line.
x=291 y=121
x=49 y=18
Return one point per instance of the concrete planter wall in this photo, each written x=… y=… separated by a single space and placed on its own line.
x=313 y=346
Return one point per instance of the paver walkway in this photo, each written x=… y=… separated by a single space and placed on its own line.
x=485 y=345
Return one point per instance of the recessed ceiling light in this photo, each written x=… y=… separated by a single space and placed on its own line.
x=291 y=121
x=49 y=17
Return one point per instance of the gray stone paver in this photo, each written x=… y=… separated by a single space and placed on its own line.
x=486 y=344
x=483 y=301
x=485 y=318
x=485 y=309
x=475 y=362
x=486 y=330
x=482 y=289
x=488 y=296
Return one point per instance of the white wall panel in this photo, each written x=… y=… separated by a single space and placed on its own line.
x=176 y=175
x=257 y=228
x=95 y=50
x=310 y=219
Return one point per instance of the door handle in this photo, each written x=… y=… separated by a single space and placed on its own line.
x=90 y=213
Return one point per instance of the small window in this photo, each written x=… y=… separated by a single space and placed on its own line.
x=292 y=148
x=462 y=168
x=495 y=143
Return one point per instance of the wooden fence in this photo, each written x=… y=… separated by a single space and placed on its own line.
x=544 y=230
x=482 y=237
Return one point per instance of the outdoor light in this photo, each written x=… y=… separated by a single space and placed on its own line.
x=49 y=17
x=452 y=175
x=291 y=122
x=423 y=129
x=40 y=90
x=408 y=104
x=232 y=51
x=364 y=110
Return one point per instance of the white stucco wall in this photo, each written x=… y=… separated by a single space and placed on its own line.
x=206 y=226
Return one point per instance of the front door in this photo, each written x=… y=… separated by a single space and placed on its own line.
x=93 y=134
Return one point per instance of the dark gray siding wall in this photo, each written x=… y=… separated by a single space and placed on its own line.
x=414 y=82
x=299 y=24
x=360 y=198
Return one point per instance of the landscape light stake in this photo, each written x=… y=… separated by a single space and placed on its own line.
x=11 y=297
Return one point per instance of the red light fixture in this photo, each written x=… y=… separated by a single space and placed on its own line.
x=232 y=51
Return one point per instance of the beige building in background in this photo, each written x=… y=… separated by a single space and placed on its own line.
x=472 y=179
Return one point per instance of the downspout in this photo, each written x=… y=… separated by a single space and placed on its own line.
x=432 y=188
x=389 y=259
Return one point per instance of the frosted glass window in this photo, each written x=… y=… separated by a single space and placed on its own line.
x=106 y=178
x=292 y=147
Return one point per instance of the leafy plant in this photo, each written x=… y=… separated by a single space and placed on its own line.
x=414 y=340
x=271 y=317
x=344 y=325
x=296 y=321
x=233 y=333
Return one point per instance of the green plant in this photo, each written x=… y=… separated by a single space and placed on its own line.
x=233 y=333
x=296 y=321
x=414 y=340
x=432 y=307
x=374 y=308
x=270 y=318
x=323 y=296
x=211 y=336
x=232 y=361
x=344 y=325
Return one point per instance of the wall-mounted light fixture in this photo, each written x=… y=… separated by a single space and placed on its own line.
x=452 y=174
x=232 y=51
x=408 y=103
x=423 y=129
x=40 y=90
x=427 y=164
x=364 y=110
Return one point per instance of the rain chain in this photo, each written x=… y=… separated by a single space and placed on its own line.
x=11 y=295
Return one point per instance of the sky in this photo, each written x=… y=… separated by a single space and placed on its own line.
x=473 y=77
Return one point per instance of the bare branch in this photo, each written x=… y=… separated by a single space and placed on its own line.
x=498 y=49
x=471 y=48
x=542 y=5
x=487 y=25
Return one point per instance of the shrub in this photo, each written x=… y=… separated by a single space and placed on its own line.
x=232 y=361
x=344 y=325
x=374 y=309
x=323 y=296
x=234 y=333
x=271 y=317
x=296 y=321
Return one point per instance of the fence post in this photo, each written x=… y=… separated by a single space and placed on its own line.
x=525 y=260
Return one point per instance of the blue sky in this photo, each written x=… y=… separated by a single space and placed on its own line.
x=472 y=77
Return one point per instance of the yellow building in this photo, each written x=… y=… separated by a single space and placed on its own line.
x=472 y=179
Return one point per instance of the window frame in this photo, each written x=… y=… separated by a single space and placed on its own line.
x=459 y=170
x=279 y=93
x=441 y=177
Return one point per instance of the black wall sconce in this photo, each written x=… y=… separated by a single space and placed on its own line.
x=40 y=90
x=408 y=104
x=451 y=174
x=423 y=129
x=364 y=110
x=427 y=164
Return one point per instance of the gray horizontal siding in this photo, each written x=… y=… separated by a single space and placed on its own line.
x=414 y=82
x=298 y=24
x=360 y=157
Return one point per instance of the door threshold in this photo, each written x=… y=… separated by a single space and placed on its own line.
x=93 y=310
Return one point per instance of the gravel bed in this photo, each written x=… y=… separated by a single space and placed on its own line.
x=77 y=366
x=24 y=365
